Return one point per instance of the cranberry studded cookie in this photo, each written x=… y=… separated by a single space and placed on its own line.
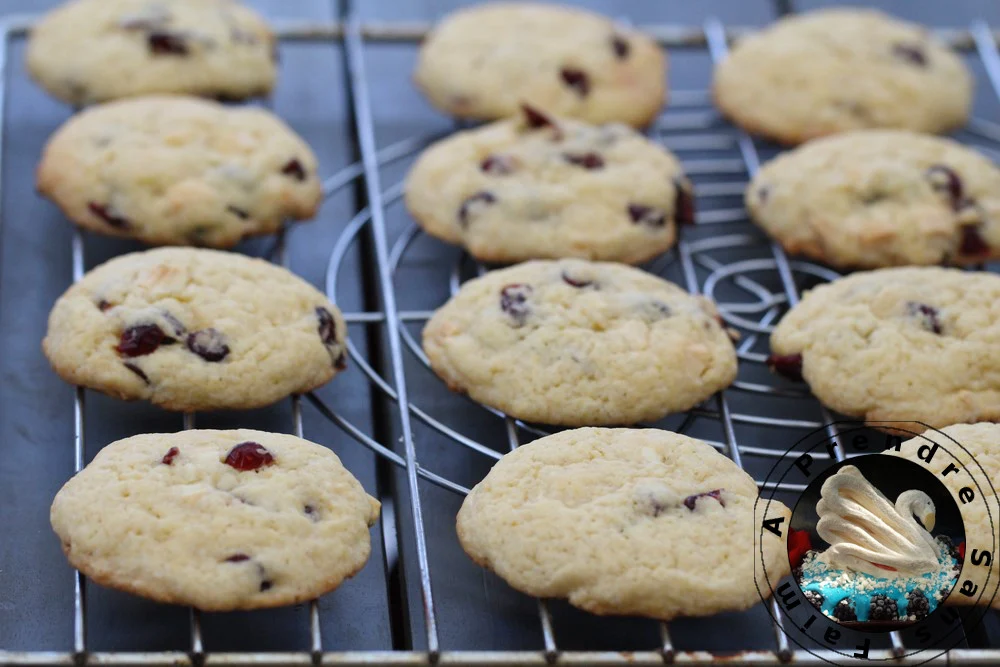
x=875 y=198
x=899 y=344
x=579 y=343
x=537 y=187
x=842 y=69
x=89 y=51
x=219 y=520
x=976 y=448
x=180 y=171
x=192 y=329
x=636 y=522
x=483 y=62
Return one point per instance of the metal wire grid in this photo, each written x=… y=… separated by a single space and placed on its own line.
x=695 y=124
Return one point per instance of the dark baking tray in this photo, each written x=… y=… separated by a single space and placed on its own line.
x=382 y=608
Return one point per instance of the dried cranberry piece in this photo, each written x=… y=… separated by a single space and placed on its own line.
x=463 y=210
x=104 y=305
x=690 y=501
x=789 y=365
x=683 y=202
x=141 y=340
x=574 y=282
x=237 y=558
x=973 y=242
x=497 y=165
x=308 y=509
x=327 y=326
x=913 y=53
x=514 y=301
x=166 y=43
x=585 y=160
x=340 y=363
x=646 y=215
x=535 y=118
x=169 y=457
x=576 y=79
x=103 y=212
x=265 y=585
x=294 y=169
x=944 y=179
x=209 y=344
x=928 y=315
x=620 y=46
x=138 y=371
x=238 y=212
x=249 y=456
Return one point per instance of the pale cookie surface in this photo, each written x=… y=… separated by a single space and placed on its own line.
x=538 y=187
x=627 y=522
x=580 y=343
x=842 y=69
x=192 y=329
x=974 y=450
x=89 y=51
x=899 y=344
x=179 y=171
x=874 y=198
x=219 y=520
x=484 y=62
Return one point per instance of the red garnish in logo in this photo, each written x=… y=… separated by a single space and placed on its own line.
x=798 y=545
x=961 y=551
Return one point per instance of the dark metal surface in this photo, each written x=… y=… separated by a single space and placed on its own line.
x=474 y=609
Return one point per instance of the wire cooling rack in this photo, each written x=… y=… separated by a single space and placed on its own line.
x=725 y=258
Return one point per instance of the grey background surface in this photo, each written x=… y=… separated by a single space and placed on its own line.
x=475 y=609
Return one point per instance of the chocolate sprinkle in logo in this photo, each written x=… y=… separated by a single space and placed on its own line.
x=892 y=550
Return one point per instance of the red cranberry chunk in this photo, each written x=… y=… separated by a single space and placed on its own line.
x=138 y=371
x=585 y=160
x=944 y=179
x=580 y=283
x=327 y=326
x=620 y=46
x=265 y=585
x=103 y=212
x=104 y=305
x=683 y=202
x=690 y=501
x=237 y=558
x=514 y=301
x=576 y=79
x=249 y=456
x=789 y=365
x=294 y=169
x=928 y=315
x=209 y=344
x=912 y=53
x=497 y=165
x=973 y=242
x=535 y=118
x=167 y=43
x=169 y=457
x=464 y=210
x=646 y=215
x=141 y=340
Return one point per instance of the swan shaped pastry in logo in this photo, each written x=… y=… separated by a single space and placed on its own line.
x=869 y=534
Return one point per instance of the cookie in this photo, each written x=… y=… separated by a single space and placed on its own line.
x=636 y=522
x=916 y=343
x=976 y=444
x=579 y=343
x=89 y=51
x=219 y=520
x=483 y=62
x=834 y=70
x=537 y=187
x=875 y=198
x=179 y=171
x=192 y=329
